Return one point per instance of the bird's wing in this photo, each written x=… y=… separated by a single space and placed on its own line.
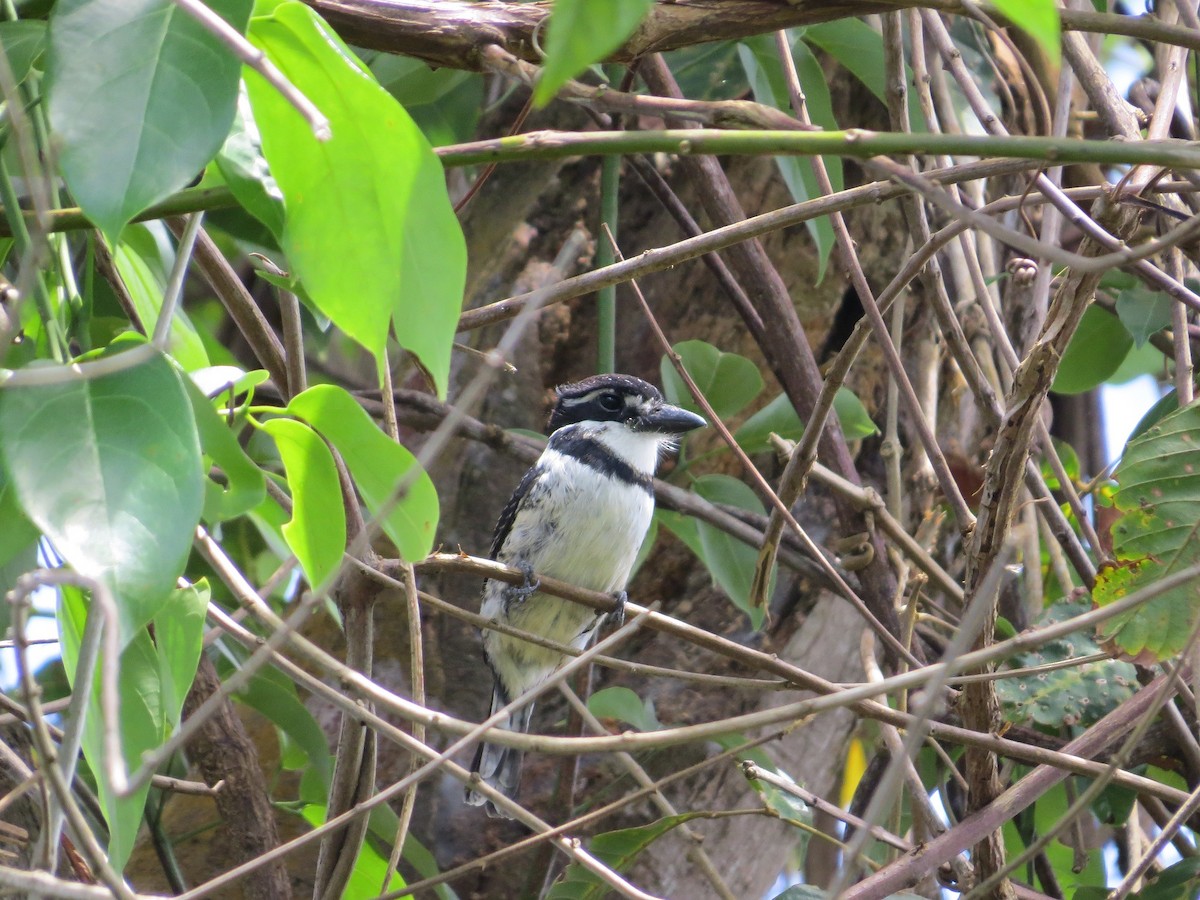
x=509 y=514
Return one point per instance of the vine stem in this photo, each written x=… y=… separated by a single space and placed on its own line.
x=855 y=142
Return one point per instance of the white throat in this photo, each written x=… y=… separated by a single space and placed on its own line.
x=640 y=449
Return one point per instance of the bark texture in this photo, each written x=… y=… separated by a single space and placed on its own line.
x=452 y=32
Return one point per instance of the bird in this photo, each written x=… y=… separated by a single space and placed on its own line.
x=580 y=515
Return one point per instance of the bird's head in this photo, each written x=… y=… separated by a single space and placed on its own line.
x=623 y=399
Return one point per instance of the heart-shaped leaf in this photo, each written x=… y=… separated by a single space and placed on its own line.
x=368 y=226
x=727 y=380
x=377 y=465
x=140 y=96
x=316 y=532
x=109 y=469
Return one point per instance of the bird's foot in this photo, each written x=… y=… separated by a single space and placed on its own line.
x=616 y=618
x=528 y=587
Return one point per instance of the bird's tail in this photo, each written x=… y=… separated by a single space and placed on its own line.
x=500 y=767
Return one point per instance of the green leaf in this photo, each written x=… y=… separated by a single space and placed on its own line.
x=1114 y=804
x=142 y=723
x=729 y=561
x=303 y=743
x=728 y=381
x=780 y=417
x=153 y=679
x=140 y=96
x=368 y=229
x=109 y=469
x=444 y=102
x=683 y=528
x=1180 y=881
x=316 y=532
x=244 y=486
x=616 y=849
x=812 y=892
x=228 y=382
x=803 y=892
x=788 y=806
x=1070 y=463
x=1158 y=534
x=377 y=465
x=1165 y=406
x=1064 y=698
x=1073 y=872
x=18 y=534
x=856 y=422
x=245 y=170
x=624 y=705
x=857 y=46
x=137 y=259
x=21 y=560
x=1039 y=18
x=1144 y=360
x=760 y=60
x=582 y=32
x=23 y=41
x=708 y=71
x=1143 y=312
x=178 y=640
x=369 y=867
x=1096 y=351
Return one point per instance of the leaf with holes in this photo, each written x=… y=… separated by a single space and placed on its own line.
x=1157 y=535
x=1059 y=698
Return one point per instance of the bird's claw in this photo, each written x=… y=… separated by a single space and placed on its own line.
x=524 y=590
x=616 y=617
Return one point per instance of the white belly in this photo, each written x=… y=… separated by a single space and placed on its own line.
x=586 y=531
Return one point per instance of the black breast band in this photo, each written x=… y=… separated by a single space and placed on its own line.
x=595 y=455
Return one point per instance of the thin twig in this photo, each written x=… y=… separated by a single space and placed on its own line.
x=839 y=583
x=174 y=289
x=260 y=63
x=417 y=680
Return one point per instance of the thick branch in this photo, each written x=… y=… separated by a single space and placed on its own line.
x=451 y=33
x=224 y=752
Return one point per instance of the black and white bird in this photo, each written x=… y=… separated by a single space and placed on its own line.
x=579 y=515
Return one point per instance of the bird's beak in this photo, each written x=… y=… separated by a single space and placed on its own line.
x=670 y=420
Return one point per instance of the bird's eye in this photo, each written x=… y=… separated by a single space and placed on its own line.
x=610 y=402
